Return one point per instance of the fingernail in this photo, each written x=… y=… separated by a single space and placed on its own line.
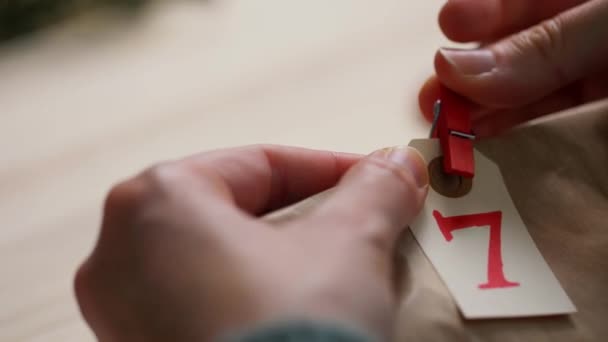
x=410 y=159
x=470 y=62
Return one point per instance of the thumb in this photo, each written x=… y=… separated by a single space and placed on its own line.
x=531 y=64
x=379 y=196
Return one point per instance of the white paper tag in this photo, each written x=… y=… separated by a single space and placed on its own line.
x=482 y=250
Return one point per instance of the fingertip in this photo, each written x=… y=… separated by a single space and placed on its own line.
x=433 y=90
x=429 y=93
x=469 y=20
x=409 y=160
x=468 y=78
x=446 y=72
x=450 y=76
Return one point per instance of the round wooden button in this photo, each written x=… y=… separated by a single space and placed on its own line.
x=447 y=185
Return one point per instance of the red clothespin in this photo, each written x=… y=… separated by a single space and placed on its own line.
x=452 y=125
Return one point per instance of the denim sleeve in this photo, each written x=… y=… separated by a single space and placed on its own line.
x=300 y=331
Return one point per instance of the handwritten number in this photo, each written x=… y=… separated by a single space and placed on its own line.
x=496 y=276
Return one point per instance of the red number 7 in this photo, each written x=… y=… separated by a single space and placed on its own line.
x=496 y=276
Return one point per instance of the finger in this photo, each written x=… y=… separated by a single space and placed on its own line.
x=497 y=122
x=492 y=123
x=378 y=197
x=430 y=93
x=261 y=178
x=486 y=20
x=528 y=66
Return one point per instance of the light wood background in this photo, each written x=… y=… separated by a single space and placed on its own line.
x=95 y=101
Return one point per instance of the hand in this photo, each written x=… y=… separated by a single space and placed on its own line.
x=536 y=58
x=184 y=255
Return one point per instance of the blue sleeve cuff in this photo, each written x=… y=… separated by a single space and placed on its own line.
x=299 y=331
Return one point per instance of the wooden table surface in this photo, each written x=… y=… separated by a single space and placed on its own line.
x=89 y=103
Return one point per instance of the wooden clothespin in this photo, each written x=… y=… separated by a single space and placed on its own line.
x=452 y=125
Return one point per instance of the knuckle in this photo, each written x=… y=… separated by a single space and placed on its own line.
x=82 y=284
x=87 y=289
x=163 y=178
x=155 y=183
x=133 y=236
x=104 y=294
x=141 y=203
x=125 y=196
x=546 y=40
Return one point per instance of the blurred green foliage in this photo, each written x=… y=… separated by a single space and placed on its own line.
x=21 y=17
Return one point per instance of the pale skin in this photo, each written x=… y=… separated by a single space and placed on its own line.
x=536 y=58
x=184 y=252
x=184 y=255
